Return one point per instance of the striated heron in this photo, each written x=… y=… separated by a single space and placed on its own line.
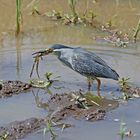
x=84 y=62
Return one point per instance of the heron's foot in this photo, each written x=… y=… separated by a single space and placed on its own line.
x=99 y=95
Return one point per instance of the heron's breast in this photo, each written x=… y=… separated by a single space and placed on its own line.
x=67 y=59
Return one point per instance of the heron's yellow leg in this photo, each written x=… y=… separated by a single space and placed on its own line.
x=98 y=86
x=90 y=81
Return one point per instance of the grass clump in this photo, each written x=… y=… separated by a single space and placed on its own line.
x=136 y=31
x=72 y=5
x=18 y=16
x=4 y=137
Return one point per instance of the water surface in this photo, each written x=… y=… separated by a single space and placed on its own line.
x=39 y=33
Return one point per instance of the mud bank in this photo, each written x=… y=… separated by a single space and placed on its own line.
x=10 y=88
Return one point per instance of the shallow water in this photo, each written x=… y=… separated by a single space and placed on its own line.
x=16 y=61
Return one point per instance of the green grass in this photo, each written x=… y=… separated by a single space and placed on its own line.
x=136 y=31
x=4 y=137
x=18 y=16
x=122 y=131
x=49 y=129
x=72 y=5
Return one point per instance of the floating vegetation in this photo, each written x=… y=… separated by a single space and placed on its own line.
x=124 y=83
x=136 y=31
x=129 y=91
x=40 y=83
x=117 y=38
x=46 y=83
x=4 y=137
x=19 y=19
x=123 y=131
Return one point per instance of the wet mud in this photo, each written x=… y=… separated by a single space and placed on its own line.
x=60 y=107
x=20 y=129
x=132 y=91
x=10 y=88
x=64 y=106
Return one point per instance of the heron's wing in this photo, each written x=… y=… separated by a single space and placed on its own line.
x=90 y=64
x=90 y=56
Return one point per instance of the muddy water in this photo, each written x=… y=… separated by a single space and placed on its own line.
x=39 y=33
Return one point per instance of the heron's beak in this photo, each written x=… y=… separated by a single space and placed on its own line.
x=42 y=53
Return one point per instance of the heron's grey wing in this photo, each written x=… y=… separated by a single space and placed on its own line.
x=90 y=55
x=88 y=64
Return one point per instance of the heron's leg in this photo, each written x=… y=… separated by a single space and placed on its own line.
x=89 y=80
x=98 y=86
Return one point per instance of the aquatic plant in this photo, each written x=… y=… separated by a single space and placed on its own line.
x=18 y=16
x=48 y=75
x=124 y=83
x=86 y=7
x=136 y=31
x=118 y=38
x=48 y=128
x=4 y=137
x=55 y=15
x=72 y=5
x=86 y=18
x=122 y=130
x=50 y=124
x=42 y=83
x=84 y=101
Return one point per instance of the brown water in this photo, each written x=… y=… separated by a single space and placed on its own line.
x=39 y=33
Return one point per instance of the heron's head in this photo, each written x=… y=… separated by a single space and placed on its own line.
x=56 y=49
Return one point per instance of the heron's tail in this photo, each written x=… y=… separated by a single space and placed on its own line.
x=115 y=75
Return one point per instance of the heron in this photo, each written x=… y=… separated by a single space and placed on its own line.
x=82 y=61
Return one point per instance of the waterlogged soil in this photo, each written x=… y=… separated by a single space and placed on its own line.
x=19 y=129
x=132 y=91
x=64 y=107
x=9 y=88
x=60 y=107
